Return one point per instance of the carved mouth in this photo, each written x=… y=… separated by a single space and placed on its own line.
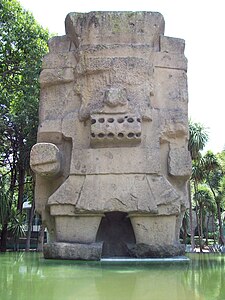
x=115 y=129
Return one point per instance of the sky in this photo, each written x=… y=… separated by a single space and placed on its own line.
x=199 y=22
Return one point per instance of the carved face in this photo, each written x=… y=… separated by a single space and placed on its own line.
x=114 y=85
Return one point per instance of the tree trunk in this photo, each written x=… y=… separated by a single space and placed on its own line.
x=41 y=238
x=184 y=225
x=207 y=231
x=214 y=229
x=3 y=241
x=31 y=217
x=21 y=170
x=192 y=230
x=221 y=237
x=200 y=228
x=197 y=212
x=21 y=179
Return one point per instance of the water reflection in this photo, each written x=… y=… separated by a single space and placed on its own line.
x=28 y=276
x=206 y=276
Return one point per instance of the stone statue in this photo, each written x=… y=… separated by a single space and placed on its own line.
x=111 y=160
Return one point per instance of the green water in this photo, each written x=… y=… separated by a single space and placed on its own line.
x=28 y=276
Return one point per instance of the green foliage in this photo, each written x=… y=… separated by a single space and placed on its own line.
x=17 y=223
x=203 y=196
x=5 y=201
x=208 y=174
x=198 y=137
x=23 y=43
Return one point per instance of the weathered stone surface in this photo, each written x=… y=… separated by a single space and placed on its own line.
x=45 y=159
x=179 y=162
x=58 y=44
x=59 y=60
x=155 y=251
x=77 y=228
x=128 y=193
x=97 y=28
x=170 y=61
x=73 y=251
x=56 y=76
x=171 y=45
x=108 y=161
x=112 y=138
x=148 y=228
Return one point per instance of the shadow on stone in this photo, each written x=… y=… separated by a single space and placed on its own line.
x=116 y=232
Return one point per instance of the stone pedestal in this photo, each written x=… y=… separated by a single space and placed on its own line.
x=77 y=229
x=150 y=229
x=76 y=251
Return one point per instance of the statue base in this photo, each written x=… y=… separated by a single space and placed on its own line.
x=142 y=250
x=93 y=251
x=73 y=251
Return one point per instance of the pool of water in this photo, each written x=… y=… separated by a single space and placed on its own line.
x=28 y=276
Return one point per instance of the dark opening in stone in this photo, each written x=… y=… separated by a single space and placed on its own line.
x=120 y=120
x=130 y=134
x=110 y=120
x=110 y=135
x=115 y=231
x=101 y=120
x=120 y=135
x=130 y=120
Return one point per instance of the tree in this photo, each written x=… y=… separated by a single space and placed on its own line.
x=215 y=179
x=5 y=210
x=23 y=43
x=198 y=137
x=203 y=199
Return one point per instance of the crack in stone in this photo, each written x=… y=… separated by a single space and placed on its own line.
x=133 y=196
x=117 y=199
x=150 y=188
x=81 y=189
x=142 y=226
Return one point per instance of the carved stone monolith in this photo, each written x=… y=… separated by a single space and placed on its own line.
x=111 y=160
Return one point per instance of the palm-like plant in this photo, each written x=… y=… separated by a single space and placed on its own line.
x=17 y=226
x=10 y=218
x=203 y=198
x=215 y=179
x=198 y=137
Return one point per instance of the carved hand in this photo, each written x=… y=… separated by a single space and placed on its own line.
x=45 y=159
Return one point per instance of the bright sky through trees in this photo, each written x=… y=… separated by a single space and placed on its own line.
x=200 y=23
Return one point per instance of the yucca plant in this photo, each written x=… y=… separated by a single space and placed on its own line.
x=17 y=226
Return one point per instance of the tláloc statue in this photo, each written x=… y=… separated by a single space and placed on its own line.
x=111 y=160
